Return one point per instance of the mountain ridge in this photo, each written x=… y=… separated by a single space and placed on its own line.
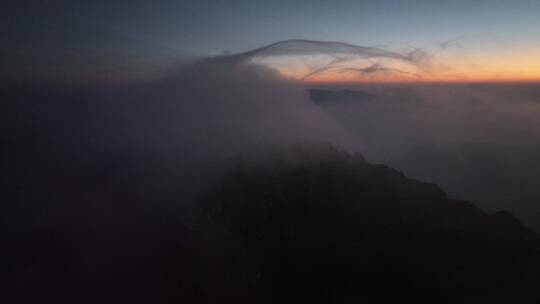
x=323 y=231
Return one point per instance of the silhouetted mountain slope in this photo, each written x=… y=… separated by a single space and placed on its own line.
x=328 y=227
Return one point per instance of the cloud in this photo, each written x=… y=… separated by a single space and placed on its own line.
x=175 y=132
x=184 y=128
x=339 y=57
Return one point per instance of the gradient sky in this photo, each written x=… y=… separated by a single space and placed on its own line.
x=116 y=40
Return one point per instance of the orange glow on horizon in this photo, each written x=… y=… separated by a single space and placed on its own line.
x=480 y=67
x=530 y=76
x=426 y=81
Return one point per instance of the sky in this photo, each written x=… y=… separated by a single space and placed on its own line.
x=125 y=40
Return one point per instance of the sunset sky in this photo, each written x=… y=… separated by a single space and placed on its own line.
x=467 y=41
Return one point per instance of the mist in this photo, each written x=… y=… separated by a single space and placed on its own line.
x=150 y=139
x=478 y=141
x=185 y=127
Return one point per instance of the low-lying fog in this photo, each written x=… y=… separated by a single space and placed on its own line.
x=479 y=142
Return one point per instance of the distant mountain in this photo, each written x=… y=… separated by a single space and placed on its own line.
x=328 y=97
x=328 y=227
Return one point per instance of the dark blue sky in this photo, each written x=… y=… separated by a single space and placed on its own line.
x=114 y=35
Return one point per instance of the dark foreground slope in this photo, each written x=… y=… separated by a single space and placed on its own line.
x=328 y=227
